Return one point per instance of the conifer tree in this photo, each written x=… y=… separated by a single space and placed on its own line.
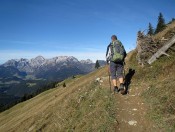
x=150 y=29
x=97 y=65
x=64 y=84
x=161 y=24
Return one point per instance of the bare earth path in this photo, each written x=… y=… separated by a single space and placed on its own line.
x=132 y=112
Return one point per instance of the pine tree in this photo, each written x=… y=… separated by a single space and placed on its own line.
x=64 y=84
x=161 y=24
x=97 y=65
x=150 y=29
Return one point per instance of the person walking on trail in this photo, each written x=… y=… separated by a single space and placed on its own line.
x=115 y=56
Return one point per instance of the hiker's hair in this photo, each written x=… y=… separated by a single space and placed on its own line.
x=114 y=36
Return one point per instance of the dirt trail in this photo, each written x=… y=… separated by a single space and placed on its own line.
x=132 y=112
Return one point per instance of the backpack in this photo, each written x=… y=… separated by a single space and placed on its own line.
x=118 y=52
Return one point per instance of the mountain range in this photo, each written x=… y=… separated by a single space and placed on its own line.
x=55 y=68
x=19 y=77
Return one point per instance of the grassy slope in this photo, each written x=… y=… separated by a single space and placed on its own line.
x=82 y=105
x=161 y=91
x=87 y=106
x=158 y=81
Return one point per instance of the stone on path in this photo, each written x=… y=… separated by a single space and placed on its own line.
x=132 y=123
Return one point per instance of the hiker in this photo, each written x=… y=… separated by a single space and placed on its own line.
x=115 y=56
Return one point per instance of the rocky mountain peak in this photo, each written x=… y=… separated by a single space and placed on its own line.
x=66 y=58
x=39 y=58
x=88 y=61
x=37 y=61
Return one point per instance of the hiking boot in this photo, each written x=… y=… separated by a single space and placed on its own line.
x=122 y=89
x=116 y=90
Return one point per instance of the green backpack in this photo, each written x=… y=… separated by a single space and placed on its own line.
x=118 y=51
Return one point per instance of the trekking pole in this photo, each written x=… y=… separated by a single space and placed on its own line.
x=124 y=73
x=109 y=78
x=124 y=69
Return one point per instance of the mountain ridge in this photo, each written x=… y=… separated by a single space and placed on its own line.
x=39 y=65
x=29 y=65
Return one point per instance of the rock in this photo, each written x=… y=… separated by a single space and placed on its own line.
x=88 y=61
x=99 y=80
x=132 y=123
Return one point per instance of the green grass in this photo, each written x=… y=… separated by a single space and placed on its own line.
x=93 y=109
x=159 y=82
x=69 y=80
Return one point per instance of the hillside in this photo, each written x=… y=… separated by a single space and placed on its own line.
x=158 y=88
x=84 y=105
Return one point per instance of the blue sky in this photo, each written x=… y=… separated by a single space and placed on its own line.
x=80 y=28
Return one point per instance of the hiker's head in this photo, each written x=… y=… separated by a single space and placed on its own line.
x=113 y=37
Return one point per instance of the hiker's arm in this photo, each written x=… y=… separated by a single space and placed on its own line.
x=107 y=54
x=107 y=51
